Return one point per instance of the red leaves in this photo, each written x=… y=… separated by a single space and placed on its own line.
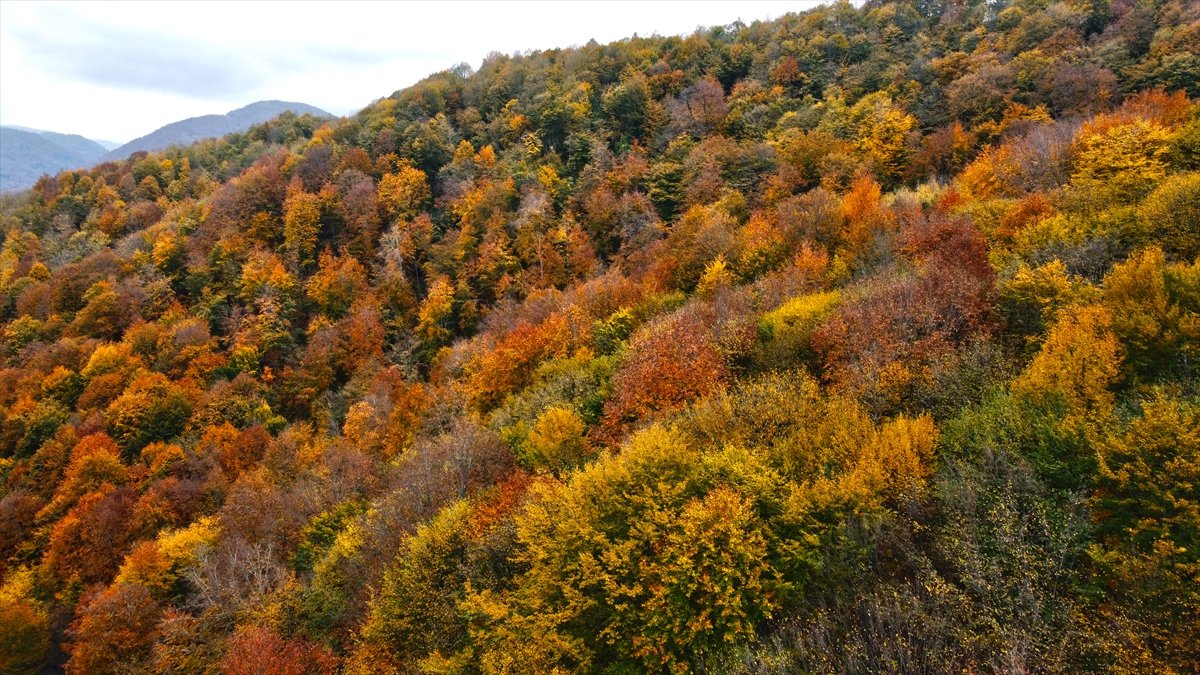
x=90 y=541
x=259 y=650
x=672 y=362
x=886 y=338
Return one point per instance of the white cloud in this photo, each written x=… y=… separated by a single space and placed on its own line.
x=117 y=70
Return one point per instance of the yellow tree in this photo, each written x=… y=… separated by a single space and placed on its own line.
x=301 y=224
x=883 y=131
x=1080 y=361
x=404 y=193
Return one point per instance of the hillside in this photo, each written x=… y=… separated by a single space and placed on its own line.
x=861 y=340
x=192 y=129
x=27 y=154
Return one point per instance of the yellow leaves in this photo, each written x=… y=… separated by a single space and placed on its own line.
x=550 y=181
x=1154 y=310
x=322 y=136
x=1170 y=216
x=263 y=271
x=890 y=462
x=435 y=312
x=900 y=458
x=301 y=223
x=1124 y=160
x=403 y=194
x=168 y=251
x=1080 y=361
x=361 y=428
x=800 y=314
x=24 y=624
x=884 y=140
x=579 y=102
x=991 y=175
x=1033 y=298
x=558 y=439
x=109 y=358
x=708 y=584
x=158 y=564
x=716 y=275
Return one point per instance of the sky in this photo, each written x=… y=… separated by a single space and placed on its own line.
x=118 y=70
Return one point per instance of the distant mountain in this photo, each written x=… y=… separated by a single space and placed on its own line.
x=26 y=154
x=186 y=132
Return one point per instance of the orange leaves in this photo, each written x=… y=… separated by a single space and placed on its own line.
x=864 y=217
x=259 y=650
x=339 y=281
x=152 y=408
x=114 y=626
x=301 y=224
x=506 y=367
x=90 y=541
x=385 y=422
x=1080 y=361
x=902 y=325
x=671 y=362
x=990 y=175
x=403 y=194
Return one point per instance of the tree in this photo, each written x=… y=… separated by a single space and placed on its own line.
x=259 y=650
x=91 y=539
x=628 y=106
x=883 y=135
x=1169 y=215
x=1121 y=162
x=670 y=362
x=609 y=543
x=114 y=628
x=402 y=195
x=24 y=626
x=336 y=285
x=1155 y=313
x=152 y=408
x=416 y=613
x=1147 y=548
x=301 y=225
x=1080 y=361
x=435 y=314
x=557 y=440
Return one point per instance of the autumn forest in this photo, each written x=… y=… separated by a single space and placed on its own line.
x=862 y=340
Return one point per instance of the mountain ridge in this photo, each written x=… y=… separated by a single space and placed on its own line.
x=192 y=129
x=26 y=154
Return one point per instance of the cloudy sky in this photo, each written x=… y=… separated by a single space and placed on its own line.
x=118 y=70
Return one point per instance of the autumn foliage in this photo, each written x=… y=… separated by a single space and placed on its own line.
x=864 y=339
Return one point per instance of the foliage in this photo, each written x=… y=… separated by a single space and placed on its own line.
x=863 y=339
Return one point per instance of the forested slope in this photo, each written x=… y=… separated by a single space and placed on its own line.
x=862 y=340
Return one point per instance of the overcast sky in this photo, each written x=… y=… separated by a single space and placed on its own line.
x=118 y=70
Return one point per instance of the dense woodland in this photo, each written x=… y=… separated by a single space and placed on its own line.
x=862 y=340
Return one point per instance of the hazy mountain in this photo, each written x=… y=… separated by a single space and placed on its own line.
x=26 y=154
x=188 y=131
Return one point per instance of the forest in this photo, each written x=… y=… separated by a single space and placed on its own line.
x=861 y=340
